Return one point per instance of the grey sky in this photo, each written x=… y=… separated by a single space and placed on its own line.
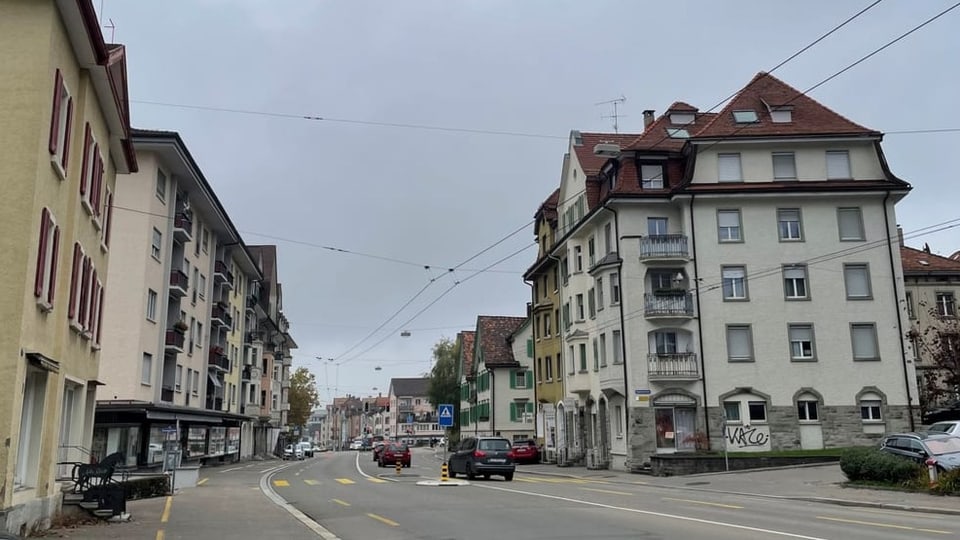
x=536 y=67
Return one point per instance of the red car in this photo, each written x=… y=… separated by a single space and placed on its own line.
x=393 y=452
x=526 y=452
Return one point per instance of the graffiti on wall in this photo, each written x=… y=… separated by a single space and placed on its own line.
x=748 y=438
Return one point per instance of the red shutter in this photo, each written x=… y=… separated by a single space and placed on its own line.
x=54 y=259
x=55 y=117
x=84 y=293
x=92 y=298
x=109 y=219
x=66 y=135
x=96 y=196
x=41 y=253
x=86 y=159
x=74 y=278
x=100 y=315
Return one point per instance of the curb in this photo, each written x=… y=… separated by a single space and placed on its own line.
x=279 y=501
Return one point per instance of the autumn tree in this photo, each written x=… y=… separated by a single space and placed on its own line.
x=303 y=396
x=444 y=378
x=937 y=347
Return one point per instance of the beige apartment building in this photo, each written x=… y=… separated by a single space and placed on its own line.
x=65 y=138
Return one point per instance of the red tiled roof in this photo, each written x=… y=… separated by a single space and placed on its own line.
x=918 y=260
x=809 y=117
x=590 y=162
x=494 y=331
x=466 y=351
x=657 y=138
x=680 y=106
x=548 y=208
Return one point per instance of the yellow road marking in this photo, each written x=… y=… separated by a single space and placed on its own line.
x=202 y=481
x=526 y=480
x=702 y=502
x=165 y=516
x=885 y=525
x=311 y=482
x=281 y=483
x=382 y=519
x=341 y=503
x=160 y=534
x=345 y=481
x=607 y=491
x=377 y=480
x=641 y=483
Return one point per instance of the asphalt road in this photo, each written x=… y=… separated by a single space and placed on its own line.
x=355 y=500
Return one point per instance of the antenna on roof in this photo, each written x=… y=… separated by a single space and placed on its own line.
x=615 y=103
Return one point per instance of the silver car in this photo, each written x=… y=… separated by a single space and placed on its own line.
x=942 y=449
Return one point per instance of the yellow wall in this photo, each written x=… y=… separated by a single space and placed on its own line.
x=547 y=392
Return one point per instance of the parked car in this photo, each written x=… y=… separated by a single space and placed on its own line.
x=356 y=445
x=526 y=451
x=483 y=456
x=293 y=451
x=392 y=452
x=943 y=449
x=377 y=448
x=307 y=448
x=950 y=427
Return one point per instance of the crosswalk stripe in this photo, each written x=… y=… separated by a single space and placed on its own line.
x=345 y=481
x=377 y=480
x=311 y=482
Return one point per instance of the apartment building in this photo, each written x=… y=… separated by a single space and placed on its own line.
x=468 y=380
x=171 y=355
x=66 y=140
x=412 y=416
x=750 y=289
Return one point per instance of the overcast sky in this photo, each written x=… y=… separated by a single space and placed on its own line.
x=438 y=197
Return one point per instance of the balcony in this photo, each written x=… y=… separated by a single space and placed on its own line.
x=222 y=275
x=182 y=227
x=405 y=408
x=668 y=304
x=253 y=337
x=251 y=374
x=664 y=248
x=179 y=283
x=673 y=367
x=252 y=301
x=166 y=394
x=220 y=317
x=578 y=383
x=173 y=342
x=218 y=360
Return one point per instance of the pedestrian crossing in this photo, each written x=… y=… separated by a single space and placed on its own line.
x=374 y=480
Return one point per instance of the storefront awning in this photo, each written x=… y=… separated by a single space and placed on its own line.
x=185 y=417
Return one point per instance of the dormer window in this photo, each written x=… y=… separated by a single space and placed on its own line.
x=678 y=133
x=745 y=117
x=651 y=176
x=682 y=118
x=781 y=116
x=610 y=173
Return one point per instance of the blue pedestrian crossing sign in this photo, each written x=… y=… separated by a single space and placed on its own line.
x=445 y=415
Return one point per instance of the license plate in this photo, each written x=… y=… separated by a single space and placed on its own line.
x=498 y=460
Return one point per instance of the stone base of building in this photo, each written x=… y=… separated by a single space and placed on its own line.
x=30 y=515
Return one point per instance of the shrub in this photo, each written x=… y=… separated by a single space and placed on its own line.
x=948 y=483
x=147 y=487
x=872 y=465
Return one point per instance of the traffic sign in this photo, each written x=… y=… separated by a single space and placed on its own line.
x=446 y=415
x=169 y=429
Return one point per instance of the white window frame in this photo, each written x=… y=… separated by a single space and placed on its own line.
x=838 y=165
x=850 y=271
x=807 y=404
x=855 y=213
x=156 y=244
x=146 y=369
x=792 y=282
x=865 y=331
x=784 y=165
x=871 y=408
x=789 y=230
x=727 y=233
x=801 y=336
x=651 y=176
x=152 y=305
x=162 y=185
x=746 y=332
x=617 y=347
x=614 y=288
x=734 y=287
x=729 y=168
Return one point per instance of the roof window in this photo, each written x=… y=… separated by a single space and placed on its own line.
x=678 y=133
x=682 y=118
x=781 y=116
x=745 y=117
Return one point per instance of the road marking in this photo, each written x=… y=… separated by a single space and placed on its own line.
x=311 y=482
x=345 y=481
x=519 y=479
x=641 y=483
x=884 y=525
x=341 y=503
x=202 y=481
x=608 y=491
x=651 y=513
x=382 y=519
x=281 y=483
x=233 y=469
x=165 y=516
x=359 y=470
x=702 y=502
x=160 y=534
x=377 y=480
x=310 y=523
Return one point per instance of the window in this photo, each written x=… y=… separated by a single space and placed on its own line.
x=91 y=174
x=666 y=342
x=795 y=282
x=146 y=369
x=911 y=310
x=548 y=365
x=599 y=289
x=734 y=282
x=196 y=281
x=678 y=133
x=651 y=176
x=617 y=347
x=681 y=118
x=202 y=287
x=757 y=411
x=155 y=244
x=205 y=240
x=179 y=378
x=728 y=168
x=596 y=355
x=608 y=238
x=151 y=305
x=76 y=277
x=592 y=302
x=107 y=219
x=784 y=166
x=580 y=316
x=618 y=413
x=546 y=325
x=657 y=226
x=856 y=278
x=807 y=409
x=783 y=115
x=614 y=288
x=788 y=224
x=864 y=339
x=31 y=428
x=48 y=250
x=578 y=259
x=739 y=343
x=566 y=315
x=728 y=225
x=603 y=349
x=748 y=116
x=870 y=405
x=838 y=165
x=731 y=411
x=946 y=304
x=801 y=341
x=61 y=119
x=161 y=185
x=591 y=253
x=583 y=357
x=850 y=223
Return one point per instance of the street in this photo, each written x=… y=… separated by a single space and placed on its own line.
x=355 y=500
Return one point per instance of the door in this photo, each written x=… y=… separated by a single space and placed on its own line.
x=685 y=420
x=676 y=429
x=657 y=226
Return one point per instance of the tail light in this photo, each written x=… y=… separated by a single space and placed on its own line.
x=511 y=454
x=479 y=454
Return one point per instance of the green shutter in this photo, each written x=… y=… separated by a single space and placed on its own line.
x=513 y=379
x=513 y=411
x=530 y=407
x=530 y=348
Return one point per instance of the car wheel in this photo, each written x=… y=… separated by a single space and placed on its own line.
x=508 y=477
x=451 y=473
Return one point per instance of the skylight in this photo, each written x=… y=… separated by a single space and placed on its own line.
x=781 y=116
x=745 y=117
x=681 y=118
x=677 y=133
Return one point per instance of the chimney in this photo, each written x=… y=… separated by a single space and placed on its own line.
x=647 y=118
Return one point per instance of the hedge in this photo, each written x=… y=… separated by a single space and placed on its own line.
x=872 y=465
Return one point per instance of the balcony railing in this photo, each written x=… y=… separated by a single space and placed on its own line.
x=215 y=404
x=673 y=366
x=179 y=283
x=674 y=304
x=253 y=337
x=166 y=394
x=222 y=274
x=183 y=227
x=664 y=246
x=174 y=341
x=220 y=317
x=219 y=360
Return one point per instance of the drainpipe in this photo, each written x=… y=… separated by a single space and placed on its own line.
x=696 y=283
x=533 y=350
x=896 y=296
x=623 y=322
x=493 y=402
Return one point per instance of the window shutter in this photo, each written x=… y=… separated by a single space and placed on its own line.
x=838 y=164
x=41 y=253
x=513 y=379
x=530 y=407
x=55 y=115
x=54 y=259
x=728 y=218
x=66 y=135
x=86 y=159
x=92 y=298
x=729 y=168
x=84 y=293
x=100 y=315
x=74 y=277
x=99 y=191
x=513 y=411
x=530 y=348
x=109 y=223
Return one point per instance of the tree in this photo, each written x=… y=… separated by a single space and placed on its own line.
x=444 y=377
x=937 y=347
x=303 y=396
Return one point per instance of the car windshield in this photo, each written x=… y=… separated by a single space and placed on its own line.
x=946 y=445
x=942 y=427
x=398 y=447
x=494 y=444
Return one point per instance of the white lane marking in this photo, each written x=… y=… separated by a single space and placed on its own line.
x=266 y=489
x=233 y=469
x=359 y=470
x=651 y=513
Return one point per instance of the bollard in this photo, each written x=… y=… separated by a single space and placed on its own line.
x=399 y=465
x=933 y=472
x=444 y=472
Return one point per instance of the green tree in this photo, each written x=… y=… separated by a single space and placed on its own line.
x=444 y=377
x=303 y=396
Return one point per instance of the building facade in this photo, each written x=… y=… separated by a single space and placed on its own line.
x=65 y=141
x=503 y=361
x=468 y=381
x=412 y=416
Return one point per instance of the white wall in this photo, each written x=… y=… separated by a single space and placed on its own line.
x=756 y=161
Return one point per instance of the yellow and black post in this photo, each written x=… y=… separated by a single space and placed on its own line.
x=444 y=472
x=399 y=465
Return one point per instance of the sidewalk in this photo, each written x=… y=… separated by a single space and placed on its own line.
x=820 y=483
